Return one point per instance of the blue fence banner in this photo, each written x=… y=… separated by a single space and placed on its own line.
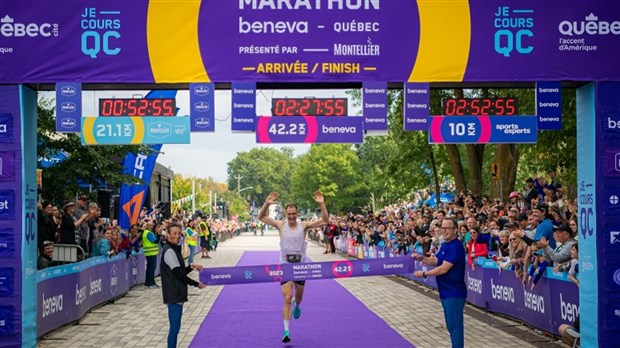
x=309 y=130
x=243 y=108
x=202 y=107
x=306 y=271
x=68 y=107
x=126 y=130
x=483 y=130
x=416 y=106
x=549 y=105
x=374 y=96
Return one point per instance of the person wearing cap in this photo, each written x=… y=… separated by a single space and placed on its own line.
x=564 y=236
x=81 y=230
x=69 y=223
x=538 y=268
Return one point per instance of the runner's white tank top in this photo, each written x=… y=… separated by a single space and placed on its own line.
x=293 y=242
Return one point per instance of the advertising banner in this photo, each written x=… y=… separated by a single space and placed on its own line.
x=305 y=271
x=68 y=106
x=243 y=106
x=549 y=105
x=308 y=41
x=124 y=130
x=310 y=130
x=374 y=97
x=417 y=106
x=483 y=130
x=202 y=107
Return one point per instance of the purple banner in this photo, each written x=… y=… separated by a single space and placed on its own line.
x=611 y=161
x=66 y=293
x=417 y=106
x=374 y=96
x=202 y=107
x=7 y=166
x=6 y=127
x=68 y=107
x=309 y=129
x=243 y=107
x=307 y=41
x=305 y=271
x=549 y=105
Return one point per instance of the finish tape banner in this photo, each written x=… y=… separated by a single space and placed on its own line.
x=306 y=271
x=142 y=41
x=309 y=130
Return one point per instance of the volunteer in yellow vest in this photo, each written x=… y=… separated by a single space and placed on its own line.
x=150 y=244
x=205 y=238
x=191 y=237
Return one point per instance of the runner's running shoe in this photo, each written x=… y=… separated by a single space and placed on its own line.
x=296 y=310
x=286 y=339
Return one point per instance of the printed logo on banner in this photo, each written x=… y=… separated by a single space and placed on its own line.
x=7 y=242
x=7 y=205
x=586 y=213
x=7 y=166
x=68 y=107
x=611 y=124
x=10 y=28
x=94 y=37
x=68 y=123
x=614 y=237
x=7 y=317
x=68 y=91
x=611 y=201
x=202 y=90
x=514 y=30
x=6 y=128
x=160 y=130
x=577 y=33
x=202 y=106
x=611 y=162
x=134 y=270
x=113 y=279
x=202 y=122
x=7 y=281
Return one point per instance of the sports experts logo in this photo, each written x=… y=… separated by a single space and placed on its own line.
x=10 y=28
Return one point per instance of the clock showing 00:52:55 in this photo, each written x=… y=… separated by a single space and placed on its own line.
x=137 y=106
x=479 y=107
x=309 y=106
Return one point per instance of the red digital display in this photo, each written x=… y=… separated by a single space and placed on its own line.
x=137 y=107
x=480 y=107
x=309 y=107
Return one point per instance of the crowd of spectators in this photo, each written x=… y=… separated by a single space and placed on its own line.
x=533 y=229
x=80 y=224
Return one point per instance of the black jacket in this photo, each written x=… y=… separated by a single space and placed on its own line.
x=174 y=282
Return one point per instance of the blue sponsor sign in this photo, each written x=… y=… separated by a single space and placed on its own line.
x=243 y=110
x=7 y=281
x=549 y=105
x=483 y=130
x=309 y=130
x=7 y=166
x=374 y=96
x=7 y=242
x=611 y=161
x=6 y=127
x=202 y=107
x=135 y=130
x=68 y=107
x=416 y=106
x=7 y=320
x=7 y=205
x=611 y=201
x=611 y=124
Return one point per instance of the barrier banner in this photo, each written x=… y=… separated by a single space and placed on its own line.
x=202 y=107
x=308 y=41
x=417 y=106
x=68 y=106
x=305 y=271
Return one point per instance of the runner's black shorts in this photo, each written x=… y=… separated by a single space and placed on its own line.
x=298 y=282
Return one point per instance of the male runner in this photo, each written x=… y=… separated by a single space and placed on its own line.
x=292 y=250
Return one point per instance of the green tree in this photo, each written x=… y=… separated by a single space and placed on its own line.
x=89 y=165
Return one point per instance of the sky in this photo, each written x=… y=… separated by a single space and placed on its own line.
x=208 y=154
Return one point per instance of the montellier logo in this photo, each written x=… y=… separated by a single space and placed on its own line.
x=10 y=28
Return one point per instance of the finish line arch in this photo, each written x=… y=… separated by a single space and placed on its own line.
x=156 y=44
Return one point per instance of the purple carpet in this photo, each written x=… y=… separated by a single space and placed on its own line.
x=250 y=316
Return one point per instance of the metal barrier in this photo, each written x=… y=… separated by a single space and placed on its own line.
x=67 y=253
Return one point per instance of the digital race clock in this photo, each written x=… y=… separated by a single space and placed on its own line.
x=137 y=107
x=309 y=106
x=479 y=107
